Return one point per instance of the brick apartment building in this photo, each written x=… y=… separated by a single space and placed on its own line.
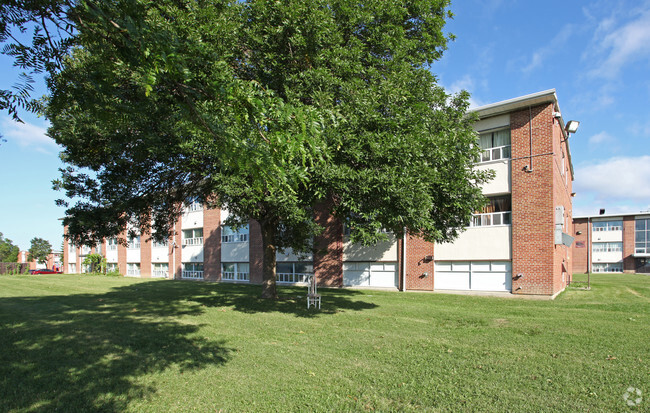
x=518 y=244
x=612 y=243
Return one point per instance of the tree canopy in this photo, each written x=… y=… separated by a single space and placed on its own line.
x=39 y=250
x=267 y=109
x=8 y=251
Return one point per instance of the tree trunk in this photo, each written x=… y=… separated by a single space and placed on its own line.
x=268 y=261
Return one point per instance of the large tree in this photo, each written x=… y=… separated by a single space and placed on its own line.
x=8 y=251
x=39 y=250
x=268 y=109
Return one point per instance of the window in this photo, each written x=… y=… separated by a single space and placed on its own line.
x=193 y=270
x=134 y=242
x=133 y=269
x=193 y=205
x=228 y=234
x=160 y=270
x=607 y=247
x=72 y=268
x=235 y=271
x=496 y=212
x=193 y=236
x=71 y=248
x=85 y=250
x=111 y=267
x=614 y=267
x=607 y=225
x=111 y=244
x=294 y=272
x=642 y=236
x=495 y=145
x=163 y=244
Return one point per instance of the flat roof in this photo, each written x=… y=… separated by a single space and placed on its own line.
x=624 y=214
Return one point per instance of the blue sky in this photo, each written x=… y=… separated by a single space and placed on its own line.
x=595 y=54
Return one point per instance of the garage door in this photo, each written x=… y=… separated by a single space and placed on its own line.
x=370 y=274
x=473 y=275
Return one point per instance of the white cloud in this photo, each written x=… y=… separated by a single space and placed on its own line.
x=27 y=135
x=542 y=54
x=601 y=137
x=618 y=179
x=465 y=83
x=619 y=46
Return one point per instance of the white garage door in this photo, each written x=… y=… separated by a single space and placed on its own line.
x=474 y=275
x=370 y=274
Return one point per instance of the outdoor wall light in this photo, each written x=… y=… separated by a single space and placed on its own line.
x=578 y=232
x=572 y=126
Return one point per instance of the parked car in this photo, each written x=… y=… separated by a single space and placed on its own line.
x=45 y=271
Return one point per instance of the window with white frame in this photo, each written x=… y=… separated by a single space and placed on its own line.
x=642 y=236
x=294 y=272
x=228 y=234
x=607 y=247
x=160 y=270
x=193 y=205
x=616 y=225
x=495 y=145
x=71 y=248
x=111 y=267
x=497 y=212
x=193 y=236
x=133 y=242
x=159 y=244
x=72 y=268
x=133 y=269
x=85 y=250
x=607 y=267
x=192 y=270
x=235 y=271
x=111 y=244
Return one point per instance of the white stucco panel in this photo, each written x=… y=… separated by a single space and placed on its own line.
x=492 y=123
x=481 y=243
x=160 y=254
x=606 y=236
x=192 y=253
x=607 y=257
x=382 y=251
x=290 y=256
x=193 y=219
x=234 y=252
x=501 y=184
x=133 y=255
x=111 y=256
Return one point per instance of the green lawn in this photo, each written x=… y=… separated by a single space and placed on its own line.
x=86 y=343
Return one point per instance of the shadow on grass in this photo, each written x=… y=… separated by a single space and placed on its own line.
x=85 y=352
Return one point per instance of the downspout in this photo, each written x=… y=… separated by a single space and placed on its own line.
x=404 y=261
x=588 y=245
x=530 y=136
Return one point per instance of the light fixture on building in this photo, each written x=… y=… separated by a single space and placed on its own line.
x=572 y=126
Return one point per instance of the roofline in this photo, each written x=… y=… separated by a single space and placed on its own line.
x=624 y=214
x=521 y=102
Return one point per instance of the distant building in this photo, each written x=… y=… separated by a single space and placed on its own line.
x=612 y=243
x=520 y=243
x=54 y=260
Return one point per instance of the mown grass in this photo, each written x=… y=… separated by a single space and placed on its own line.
x=90 y=343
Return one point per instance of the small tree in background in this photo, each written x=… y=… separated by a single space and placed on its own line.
x=8 y=251
x=97 y=263
x=39 y=250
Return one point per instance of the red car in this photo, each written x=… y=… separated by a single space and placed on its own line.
x=45 y=271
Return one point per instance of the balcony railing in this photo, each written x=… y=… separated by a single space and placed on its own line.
x=133 y=245
x=193 y=241
x=160 y=274
x=234 y=238
x=496 y=153
x=234 y=276
x=491 y=219
x=133 y=273
x=293 y=277
x=195 y=275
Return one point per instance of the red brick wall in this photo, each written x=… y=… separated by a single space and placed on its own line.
x=177 y=254
x=628 y=244
x=66 y=250
x=562 y=188
x=328 y=260
x=417 y=265
x=581 y=246
x=212 y=244
x=255 y=252
x=532 y=202
x=121 y=254
x=145 y=255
